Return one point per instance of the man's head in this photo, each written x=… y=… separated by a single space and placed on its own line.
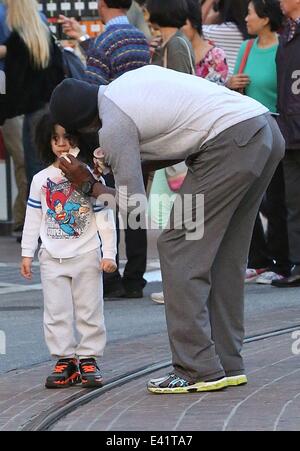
x=110 y=8
x=74 y=105
x=290 y=8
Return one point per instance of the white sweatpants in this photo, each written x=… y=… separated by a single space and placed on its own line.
x=73 y=290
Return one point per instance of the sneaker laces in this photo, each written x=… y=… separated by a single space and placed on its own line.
x=89 y=367
x=61 y=366
x=176 y=381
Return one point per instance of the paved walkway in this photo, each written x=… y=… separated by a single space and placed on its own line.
x=271 y=401
x=137 y=337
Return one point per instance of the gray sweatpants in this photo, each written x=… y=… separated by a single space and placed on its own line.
x=73 y=290
x=203 y=280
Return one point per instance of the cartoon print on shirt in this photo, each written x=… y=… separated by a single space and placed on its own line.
x=67 y=217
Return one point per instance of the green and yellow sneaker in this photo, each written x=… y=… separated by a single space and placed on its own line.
x=235 y=381
x=175 y=384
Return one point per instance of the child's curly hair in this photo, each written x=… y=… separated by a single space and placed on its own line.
x=45 y=129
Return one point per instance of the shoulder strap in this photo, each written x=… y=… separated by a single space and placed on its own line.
x=245 y=56
x=190 y=55
x=165 y=58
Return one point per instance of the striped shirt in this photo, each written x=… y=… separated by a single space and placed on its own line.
x=228 y=37
x=121 y=48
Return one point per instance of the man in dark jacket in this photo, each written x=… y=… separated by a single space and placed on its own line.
x=288 y=69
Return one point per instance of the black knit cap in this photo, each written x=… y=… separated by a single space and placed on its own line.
x=74 y=104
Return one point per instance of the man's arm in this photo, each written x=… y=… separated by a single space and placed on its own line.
x=78 y=173
x=120 y=141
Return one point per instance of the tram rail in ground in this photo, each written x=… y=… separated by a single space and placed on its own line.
x=47 y=419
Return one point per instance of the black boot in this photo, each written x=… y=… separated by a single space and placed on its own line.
x=289 y=282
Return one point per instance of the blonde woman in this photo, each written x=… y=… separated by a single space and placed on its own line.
x=33 y=67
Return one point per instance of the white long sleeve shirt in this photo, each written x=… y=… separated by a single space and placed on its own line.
x=67 y=221
x=153 y=113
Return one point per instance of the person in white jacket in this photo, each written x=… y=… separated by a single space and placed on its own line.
x=69 y=225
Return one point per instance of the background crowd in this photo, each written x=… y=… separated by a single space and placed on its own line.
x=251 y=47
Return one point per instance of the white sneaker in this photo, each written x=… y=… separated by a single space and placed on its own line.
x=158 y=297
x=267 y=278
x=252 y=274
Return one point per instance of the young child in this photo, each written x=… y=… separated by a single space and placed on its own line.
x=68 y=223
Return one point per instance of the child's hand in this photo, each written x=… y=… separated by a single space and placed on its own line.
x=26 y=267
x=108 y=265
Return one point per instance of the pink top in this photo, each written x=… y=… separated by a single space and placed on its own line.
x=213 y=66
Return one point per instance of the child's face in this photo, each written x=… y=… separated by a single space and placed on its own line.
x=61 y=142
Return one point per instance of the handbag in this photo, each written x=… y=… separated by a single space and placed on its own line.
x=175 y=176
x=72 y=64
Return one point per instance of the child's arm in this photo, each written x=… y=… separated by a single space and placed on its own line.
x=26 y=266
x=31 y=231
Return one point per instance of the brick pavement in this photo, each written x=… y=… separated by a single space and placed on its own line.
x=269 y=402
x=22 y=395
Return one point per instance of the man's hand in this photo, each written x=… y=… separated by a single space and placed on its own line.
x=71 y=27
x=75 y=171
x=108 y=265
x=26 y=265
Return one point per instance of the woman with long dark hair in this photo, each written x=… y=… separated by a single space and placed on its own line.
x=210 y=60
x=231 y=30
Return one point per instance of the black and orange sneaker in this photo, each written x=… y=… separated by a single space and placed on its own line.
x=90 y=373
x=65 y=374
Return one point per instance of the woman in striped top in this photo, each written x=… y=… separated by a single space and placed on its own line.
x=210 y=60
x=231 y=30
